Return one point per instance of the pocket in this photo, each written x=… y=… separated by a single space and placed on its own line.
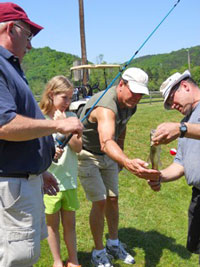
x=9 y=192
x=17 y=205
x=84 y=171
x=23 y=247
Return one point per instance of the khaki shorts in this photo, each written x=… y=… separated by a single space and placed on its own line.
x=98 y=175
x=22 y=221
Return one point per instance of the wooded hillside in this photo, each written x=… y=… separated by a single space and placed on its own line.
x=42 y=64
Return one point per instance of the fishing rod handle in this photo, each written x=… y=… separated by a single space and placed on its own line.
x=63 y=144
x=66 y=141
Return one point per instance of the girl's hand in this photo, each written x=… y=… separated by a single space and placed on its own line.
x=59 y=152
x=58 y=115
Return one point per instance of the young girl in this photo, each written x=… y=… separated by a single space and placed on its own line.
x=54 y=103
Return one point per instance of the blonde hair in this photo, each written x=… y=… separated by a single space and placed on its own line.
x=58 y=84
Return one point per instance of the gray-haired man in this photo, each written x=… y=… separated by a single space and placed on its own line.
x=181 y=92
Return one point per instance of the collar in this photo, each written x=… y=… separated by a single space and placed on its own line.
x=7 y=54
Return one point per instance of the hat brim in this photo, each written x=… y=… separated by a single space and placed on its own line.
x=138 y=88
x=168 y=90
x=35 y=28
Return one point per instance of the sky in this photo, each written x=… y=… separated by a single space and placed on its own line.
x=115 y=29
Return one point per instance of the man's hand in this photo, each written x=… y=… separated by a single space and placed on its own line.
x=69 y=125
x=155 y=185
x=50 y=186
x=165 y=133
x=139 y=168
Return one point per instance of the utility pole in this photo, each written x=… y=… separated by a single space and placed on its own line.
x=188 y=59
x=83 y=43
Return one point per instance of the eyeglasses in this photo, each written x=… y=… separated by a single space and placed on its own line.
x=28 y=33
x=171 y=96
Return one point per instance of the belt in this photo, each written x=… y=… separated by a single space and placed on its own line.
x=16 y=175
x=95 y=153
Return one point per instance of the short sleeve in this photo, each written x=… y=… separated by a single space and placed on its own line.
x=7 y=104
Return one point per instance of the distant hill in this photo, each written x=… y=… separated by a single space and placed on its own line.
x=160 y=66
x=41 y=64
x=173 y=60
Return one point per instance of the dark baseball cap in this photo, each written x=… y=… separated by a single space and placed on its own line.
x=10 y=11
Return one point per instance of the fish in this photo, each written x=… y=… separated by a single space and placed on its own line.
x=155 y=151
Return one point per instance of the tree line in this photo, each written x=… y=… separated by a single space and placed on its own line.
x=42 y=64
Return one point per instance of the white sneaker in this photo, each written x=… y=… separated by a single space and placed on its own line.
x=119 y=252
x=102 y=260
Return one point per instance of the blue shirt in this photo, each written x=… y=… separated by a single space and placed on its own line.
x=34 y=156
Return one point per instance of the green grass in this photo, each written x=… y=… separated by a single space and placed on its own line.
x=153 y=225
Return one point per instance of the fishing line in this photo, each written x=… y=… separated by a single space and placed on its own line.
x=123 y=68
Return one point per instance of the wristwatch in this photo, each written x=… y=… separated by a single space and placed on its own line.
x=183 y=129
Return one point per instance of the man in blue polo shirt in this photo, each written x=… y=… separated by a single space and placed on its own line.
x=26 y=145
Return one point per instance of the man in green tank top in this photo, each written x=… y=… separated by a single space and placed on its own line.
x=102 y=157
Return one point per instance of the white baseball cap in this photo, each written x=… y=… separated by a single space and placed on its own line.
x=168 y=85
x=137 y=80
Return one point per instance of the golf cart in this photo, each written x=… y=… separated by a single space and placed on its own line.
x=82 y=93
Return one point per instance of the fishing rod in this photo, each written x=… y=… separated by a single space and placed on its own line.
x=65 y=142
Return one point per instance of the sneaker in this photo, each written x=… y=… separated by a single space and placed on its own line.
x=119 y=252
x=102 y=260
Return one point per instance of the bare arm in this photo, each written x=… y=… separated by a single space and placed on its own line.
x=76 y=143
x=193 y=130
x=120 y=142
x=171 y=173
x=23 y=128
x=106 y=130
x=169 y=131
x=121 y=138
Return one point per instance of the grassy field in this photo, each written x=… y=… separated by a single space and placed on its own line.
x=153 y=225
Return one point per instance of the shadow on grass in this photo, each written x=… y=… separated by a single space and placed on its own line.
x=153 y=243
x=84 y=259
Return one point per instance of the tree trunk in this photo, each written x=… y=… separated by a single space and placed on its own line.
x=83 y=43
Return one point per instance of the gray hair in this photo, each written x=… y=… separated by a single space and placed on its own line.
x=2 y=24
